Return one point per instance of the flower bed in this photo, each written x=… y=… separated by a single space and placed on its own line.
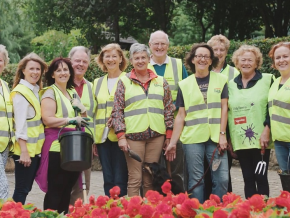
x=156 y=205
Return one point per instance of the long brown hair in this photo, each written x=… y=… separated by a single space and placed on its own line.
x=22 y=64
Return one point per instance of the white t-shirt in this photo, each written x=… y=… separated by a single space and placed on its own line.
x=111 y=83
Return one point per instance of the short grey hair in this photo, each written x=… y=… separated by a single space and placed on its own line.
x=5 y=54
x=158 y=31
x=137 y=47
x=79 y=48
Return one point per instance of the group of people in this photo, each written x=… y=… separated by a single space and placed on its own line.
x=194 y=123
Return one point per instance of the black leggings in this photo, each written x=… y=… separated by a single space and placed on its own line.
x=60 y=183
x=254 y=183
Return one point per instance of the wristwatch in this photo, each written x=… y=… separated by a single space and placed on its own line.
x=222 y=133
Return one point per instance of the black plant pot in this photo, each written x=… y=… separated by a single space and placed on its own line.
x=285 y=180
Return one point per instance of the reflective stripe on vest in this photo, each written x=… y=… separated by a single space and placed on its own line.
x=6 y=122
x=105 y=102
x=202 y=120
x=172 y=74
x=35 y=128
x=87 y=100
x=142 y=112
x=230 y=72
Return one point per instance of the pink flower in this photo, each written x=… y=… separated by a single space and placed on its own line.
x=102 y=200
x=215 y=198
x=92 y=200
x=186 y=209
x=166 y=187
x=257 y=202
x=163 y=208
x=220 y=214
x=115 y=192
x=179 y=199
x=146 y=211
x=154 y=197
x=114 y=212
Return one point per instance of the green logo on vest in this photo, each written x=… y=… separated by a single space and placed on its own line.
x=217 y=90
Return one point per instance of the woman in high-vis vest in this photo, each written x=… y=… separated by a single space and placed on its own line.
x=201 y=121
x=115 y=173
x=279 y=104
x=6 y=129
x=248 y=118
x=57 y=110
x=142 y=117
x=29 y=130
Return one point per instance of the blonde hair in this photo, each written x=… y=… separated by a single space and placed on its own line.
x=22 y=64
x=113 y=46
x=248 y=48
x=5 y=54
x=219 y=39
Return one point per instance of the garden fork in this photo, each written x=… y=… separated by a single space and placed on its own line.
x=261 y=164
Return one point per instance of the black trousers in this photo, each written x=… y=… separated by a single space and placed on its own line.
x=24 y=177
x=254 y=183
x=60 y=183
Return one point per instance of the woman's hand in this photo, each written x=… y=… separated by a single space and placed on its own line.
x=25 y=159
x=265 y=137
x=223 y=144
x=78 y=105
x=170 y=152
x=95 y=150
x=123 y=144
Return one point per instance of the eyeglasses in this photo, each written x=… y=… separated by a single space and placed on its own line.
x=199 y=57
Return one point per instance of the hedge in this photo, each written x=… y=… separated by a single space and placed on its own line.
x=178 y=52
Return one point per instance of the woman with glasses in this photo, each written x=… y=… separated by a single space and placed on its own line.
x=201 y=122
x=279 y=103
x=248 y=120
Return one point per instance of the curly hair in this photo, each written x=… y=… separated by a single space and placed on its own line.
x=22 y=64
x=53 y=67
x=219 y=39
x=248 y=48
x=191 y=54
x=273 y=49
x=4 y=52
x=110 y=47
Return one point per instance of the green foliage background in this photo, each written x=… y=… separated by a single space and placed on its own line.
x=178 y=52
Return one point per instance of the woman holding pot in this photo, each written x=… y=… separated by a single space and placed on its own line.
x=279 y=102
x=29 y=130
x=57 y=110
x=115 y=173
x=7 y=135
x=247 y=118
x=142 y=117
x=201 y=121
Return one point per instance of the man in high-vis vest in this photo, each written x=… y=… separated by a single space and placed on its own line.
x=173 y=71
x=80 y=58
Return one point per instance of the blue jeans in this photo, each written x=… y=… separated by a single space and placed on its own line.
x=24 y=177
x=194 y=158
x=115 y=172
x=282 y=150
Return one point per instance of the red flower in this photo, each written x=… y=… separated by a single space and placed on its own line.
x=168 y=200
x=283 y=202
x=163 y=208
x=98 y=212
x=71 y=208
x=154 y=197
x=102 y=200
x=271 y=202
x=202 y=215
x=115 y=192
x=124 y=202
x=257 y=202
x=166 y=187
x=146 y=211
x=80 y=211
x=220 y=214
x=179 y=199
x=92 y=200
x=132 y=209
x=186 y=208
x=78 y=203
x=230 y=198
x=215 y=198
x=209 y=203
x=167 y=216
x=284 y=194
x=242 y=210
x=115 y=212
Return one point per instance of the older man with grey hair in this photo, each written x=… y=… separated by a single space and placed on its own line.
x=80 y=59
x=173 y=71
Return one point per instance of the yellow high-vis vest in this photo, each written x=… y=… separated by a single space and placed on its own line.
x=88 y=101
x=172 y=74
x=230 y=72
x=105 y=102
x=64 y=109
x=35 y=128
x=202 y=121
x=144 y=111
x=6 y=127
x=279 y=109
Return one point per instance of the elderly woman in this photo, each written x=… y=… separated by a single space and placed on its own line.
x=29 y=130
x=7 y=137
x=115 y=173
x=279 y=101
x=247 y=118
x=201 y=121
x=57 y=111
x=142 y=117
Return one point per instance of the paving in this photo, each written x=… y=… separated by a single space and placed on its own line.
x=36 y=196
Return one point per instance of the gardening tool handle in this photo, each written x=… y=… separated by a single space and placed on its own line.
x=76 y=113
x=263 y=150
